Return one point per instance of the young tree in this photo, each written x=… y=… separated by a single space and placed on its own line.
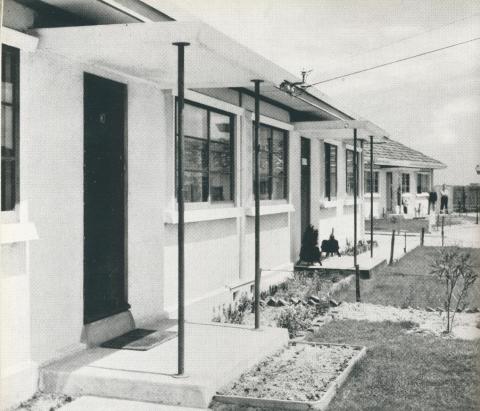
x=454 y=268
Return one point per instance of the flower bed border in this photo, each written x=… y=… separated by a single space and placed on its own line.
x=321 y=404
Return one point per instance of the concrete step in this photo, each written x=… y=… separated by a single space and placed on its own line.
x=91 y=403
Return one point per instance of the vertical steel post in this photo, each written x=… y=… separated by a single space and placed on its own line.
x=371 y=196
x=257 y=204
x=405 y=244
x=181 y=209
x=392 y=247
x=355 y=193
x=476 y=196
x=443 y=232
x=422 y=236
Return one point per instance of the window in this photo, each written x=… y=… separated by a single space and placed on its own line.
x=405 y=183
x=367 y=181
x=10 y=137
x=423 y=183
x=272 y=163
x=208 y=155
x=349 y=173
x=330 y=171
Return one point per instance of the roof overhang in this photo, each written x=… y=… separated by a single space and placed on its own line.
x=145 y=50
x=339 y=129
x=389 y=162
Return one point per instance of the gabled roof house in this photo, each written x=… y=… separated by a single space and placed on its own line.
x=402 y=178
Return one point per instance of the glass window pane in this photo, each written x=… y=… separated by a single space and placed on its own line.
x=8 y=185
x=220 y=125
x=7 y=130
x=220 y=157
x=264 y=164
x=264 y=188
x=7 y=67
x=7 y=92
x=264 y=138
x=220 y=187
x=278 y=188
x=196 y=154
x=195 y=187
x=278 y=141
x=278 y=164
x=195 y=121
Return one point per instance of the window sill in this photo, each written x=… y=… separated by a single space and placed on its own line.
x=193 y=216
x=17 y=232
x=426 y=195
x=349 y=201
x=328 y=204
x=375 y=195
x=406 y=194
x=270 y=209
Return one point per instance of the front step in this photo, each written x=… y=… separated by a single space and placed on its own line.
x=90 y=403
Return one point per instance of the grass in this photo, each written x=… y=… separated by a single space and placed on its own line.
x=405 y=371
x=398 y=224
x=409 y=284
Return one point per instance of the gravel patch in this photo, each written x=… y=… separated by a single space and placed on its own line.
x=298 y=373
x=465 y=324
x=42 y=401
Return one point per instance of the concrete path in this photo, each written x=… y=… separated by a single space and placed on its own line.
x=90 y=403
x=214 y=355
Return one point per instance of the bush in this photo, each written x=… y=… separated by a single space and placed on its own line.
x=233 y=313
x=295 y=319
x=455 y=269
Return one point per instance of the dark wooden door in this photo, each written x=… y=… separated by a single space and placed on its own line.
x=105 y=291
x=389 y=193
x=305 y=183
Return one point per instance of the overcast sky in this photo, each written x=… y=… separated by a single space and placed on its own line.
x=431 y=103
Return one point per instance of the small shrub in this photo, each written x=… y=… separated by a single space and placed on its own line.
x=233 y=313
x=295 y=319
x=454 y=268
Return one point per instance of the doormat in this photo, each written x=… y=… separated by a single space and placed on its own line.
x=139 y=339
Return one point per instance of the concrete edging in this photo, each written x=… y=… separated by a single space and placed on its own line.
x=322 y=404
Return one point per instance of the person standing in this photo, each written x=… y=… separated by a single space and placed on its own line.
x=444 y=199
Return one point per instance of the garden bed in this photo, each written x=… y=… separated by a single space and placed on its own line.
x=302 y=376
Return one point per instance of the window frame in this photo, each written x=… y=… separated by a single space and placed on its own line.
x=270 y=153
x=328 y=171
x=407 y=185
x=347 y=191
x=231 y=116
x=419 y=182
x=15 y=158
x=376 y=182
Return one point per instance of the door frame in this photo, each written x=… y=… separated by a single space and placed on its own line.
x=309 y=199
x=124 y=87
x=389 y=191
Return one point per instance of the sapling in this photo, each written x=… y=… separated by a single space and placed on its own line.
x=455 y=269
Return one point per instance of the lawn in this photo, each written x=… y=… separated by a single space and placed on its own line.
x=408 y=283
x=398 y=224
x=405 y=371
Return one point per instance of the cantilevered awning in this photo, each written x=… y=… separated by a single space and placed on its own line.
x=145 y=50
x=339 y=129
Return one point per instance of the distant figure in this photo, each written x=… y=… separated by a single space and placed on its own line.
x=330 y=246
x=432 y=201
x=444 y=199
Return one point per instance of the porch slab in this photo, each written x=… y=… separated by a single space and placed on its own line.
x=214 y=355
x=102 y=404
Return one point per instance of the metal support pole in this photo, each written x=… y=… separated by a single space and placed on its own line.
x=443 y=232
x=422 y=236
x=371 y=196
x=392 y=247
x=405 y=244
x=476 y=196
x=257 y=204
x=181 y=209
x=355 y=193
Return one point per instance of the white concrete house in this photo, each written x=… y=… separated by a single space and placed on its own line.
x=89 y=220
x=402 y=179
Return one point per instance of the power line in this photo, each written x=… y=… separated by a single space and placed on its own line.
x=395 y=61
x=414 y=35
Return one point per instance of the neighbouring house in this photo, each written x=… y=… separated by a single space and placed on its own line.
x=89 y=218
x=462 y=199
x=402 y=179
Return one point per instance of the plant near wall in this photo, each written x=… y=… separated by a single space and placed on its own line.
x=233 y=313
x=455 y=269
